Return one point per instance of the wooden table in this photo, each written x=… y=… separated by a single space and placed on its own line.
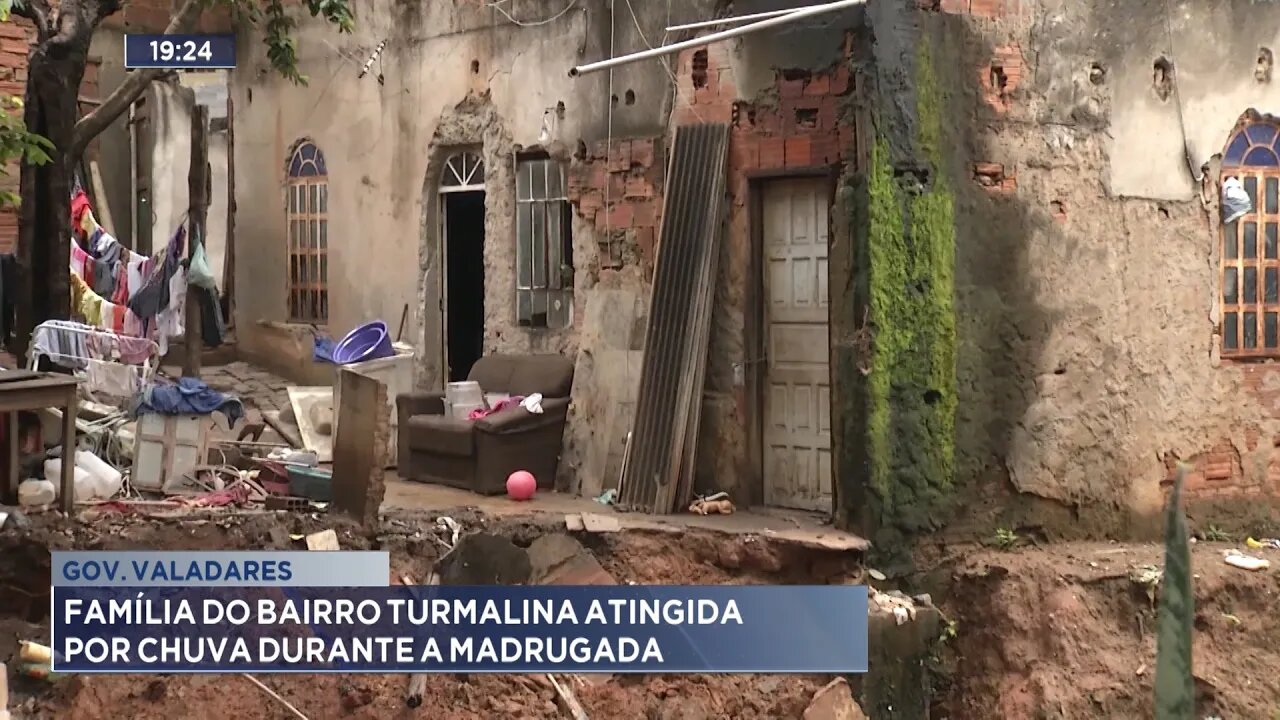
x=24 y=390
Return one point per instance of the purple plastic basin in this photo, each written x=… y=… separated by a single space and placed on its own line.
x=367 y=342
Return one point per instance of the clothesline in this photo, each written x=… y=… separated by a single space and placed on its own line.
x=119 y=290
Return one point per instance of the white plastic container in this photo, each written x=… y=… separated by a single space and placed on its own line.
x=109 y=479
x=35 y=493
x=467 y=392
x=85 y=482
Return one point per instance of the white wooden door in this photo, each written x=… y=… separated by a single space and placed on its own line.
x=797 y=393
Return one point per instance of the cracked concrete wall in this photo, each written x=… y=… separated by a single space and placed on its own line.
x=378 y=136
x=459 y=75
x=1088 y=269
x=451 y=76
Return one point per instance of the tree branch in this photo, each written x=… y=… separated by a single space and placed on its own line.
x=136 y=83
x=37 y=11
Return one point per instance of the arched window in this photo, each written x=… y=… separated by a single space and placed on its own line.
x=308 y=222
x=1251 y=241
x=463 y=172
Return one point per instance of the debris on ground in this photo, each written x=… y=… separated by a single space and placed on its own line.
x=834 y=702
x=1270 y=543
x=325 y=540
x=718 y=503
x=1238 y=559
x=568 y=700
x=894 y=603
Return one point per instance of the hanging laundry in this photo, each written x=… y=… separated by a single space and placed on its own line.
x=170 y=321
x=105 y=247
x=79 y=259
x=79 y=206
x=212 y=325
x=135 y=350
x=111 y=378
x=85 y=302
x=121 y=295
x=60 y=344
x=153 y=297
x=138 y=269
x=198 y=272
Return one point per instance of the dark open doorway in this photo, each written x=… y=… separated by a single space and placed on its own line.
x=464 y=280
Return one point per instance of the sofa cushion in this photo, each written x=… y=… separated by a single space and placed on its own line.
x=441 y=434
x=493 y=372
x=551 y=375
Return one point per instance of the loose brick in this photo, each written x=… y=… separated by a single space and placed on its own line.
x=637 y=188
x=797 y=151
x=993 y=9
x=642 y=153
x=825 y=149
x=955 y=7
x=644 y=214
x=790 y=88
x=819 y=84
x=620 y=156
x=840 y=80
x=773 y=153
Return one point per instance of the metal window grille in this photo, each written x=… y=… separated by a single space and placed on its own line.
x=308 y=228
x=544 y=245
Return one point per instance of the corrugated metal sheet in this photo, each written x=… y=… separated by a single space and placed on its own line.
x=659 y=469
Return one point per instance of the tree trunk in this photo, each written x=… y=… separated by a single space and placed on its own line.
x=44 y=246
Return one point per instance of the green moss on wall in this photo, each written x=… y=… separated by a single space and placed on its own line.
x=910 y=392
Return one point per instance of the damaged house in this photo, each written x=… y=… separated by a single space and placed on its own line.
x=970 y=255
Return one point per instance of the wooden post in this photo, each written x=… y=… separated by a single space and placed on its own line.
x=229 y=255
x=198 y=190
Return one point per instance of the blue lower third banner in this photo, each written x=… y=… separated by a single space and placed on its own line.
x=525 y=629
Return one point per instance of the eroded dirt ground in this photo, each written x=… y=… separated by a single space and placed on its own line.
x=1067 y=631
x=1058 y=631
x=642 y=557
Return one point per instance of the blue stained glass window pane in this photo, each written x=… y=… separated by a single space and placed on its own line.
x=1261 y=157
x=1236 y=150
x=307 y=161
x=1261 y=133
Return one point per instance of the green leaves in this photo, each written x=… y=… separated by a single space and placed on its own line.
x=16 y=143
x=278 y=28
x=1175 y=686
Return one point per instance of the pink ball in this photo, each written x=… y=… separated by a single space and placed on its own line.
x=521 y=485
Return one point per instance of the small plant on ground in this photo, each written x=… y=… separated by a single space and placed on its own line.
x=1006 y=539
x=1216 y=534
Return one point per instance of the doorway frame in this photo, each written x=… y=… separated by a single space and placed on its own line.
x=434 y=278
x=754 y=358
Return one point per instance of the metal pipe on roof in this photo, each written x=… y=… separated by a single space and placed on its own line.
x=735 y=19
x=713 y=37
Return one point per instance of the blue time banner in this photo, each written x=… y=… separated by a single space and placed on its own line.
x=180 y=52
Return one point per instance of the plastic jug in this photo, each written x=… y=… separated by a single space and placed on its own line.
x=86 y=483
x=109 y=479
x=35 y=493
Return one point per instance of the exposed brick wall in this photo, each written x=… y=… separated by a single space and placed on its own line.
x=154 y=15
x=1001 y=77
x=619 y=189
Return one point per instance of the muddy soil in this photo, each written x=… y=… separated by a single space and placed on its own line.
x=414 y=543
x=1062 y=631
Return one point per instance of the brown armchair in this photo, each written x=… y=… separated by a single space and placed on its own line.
x=479 y=455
